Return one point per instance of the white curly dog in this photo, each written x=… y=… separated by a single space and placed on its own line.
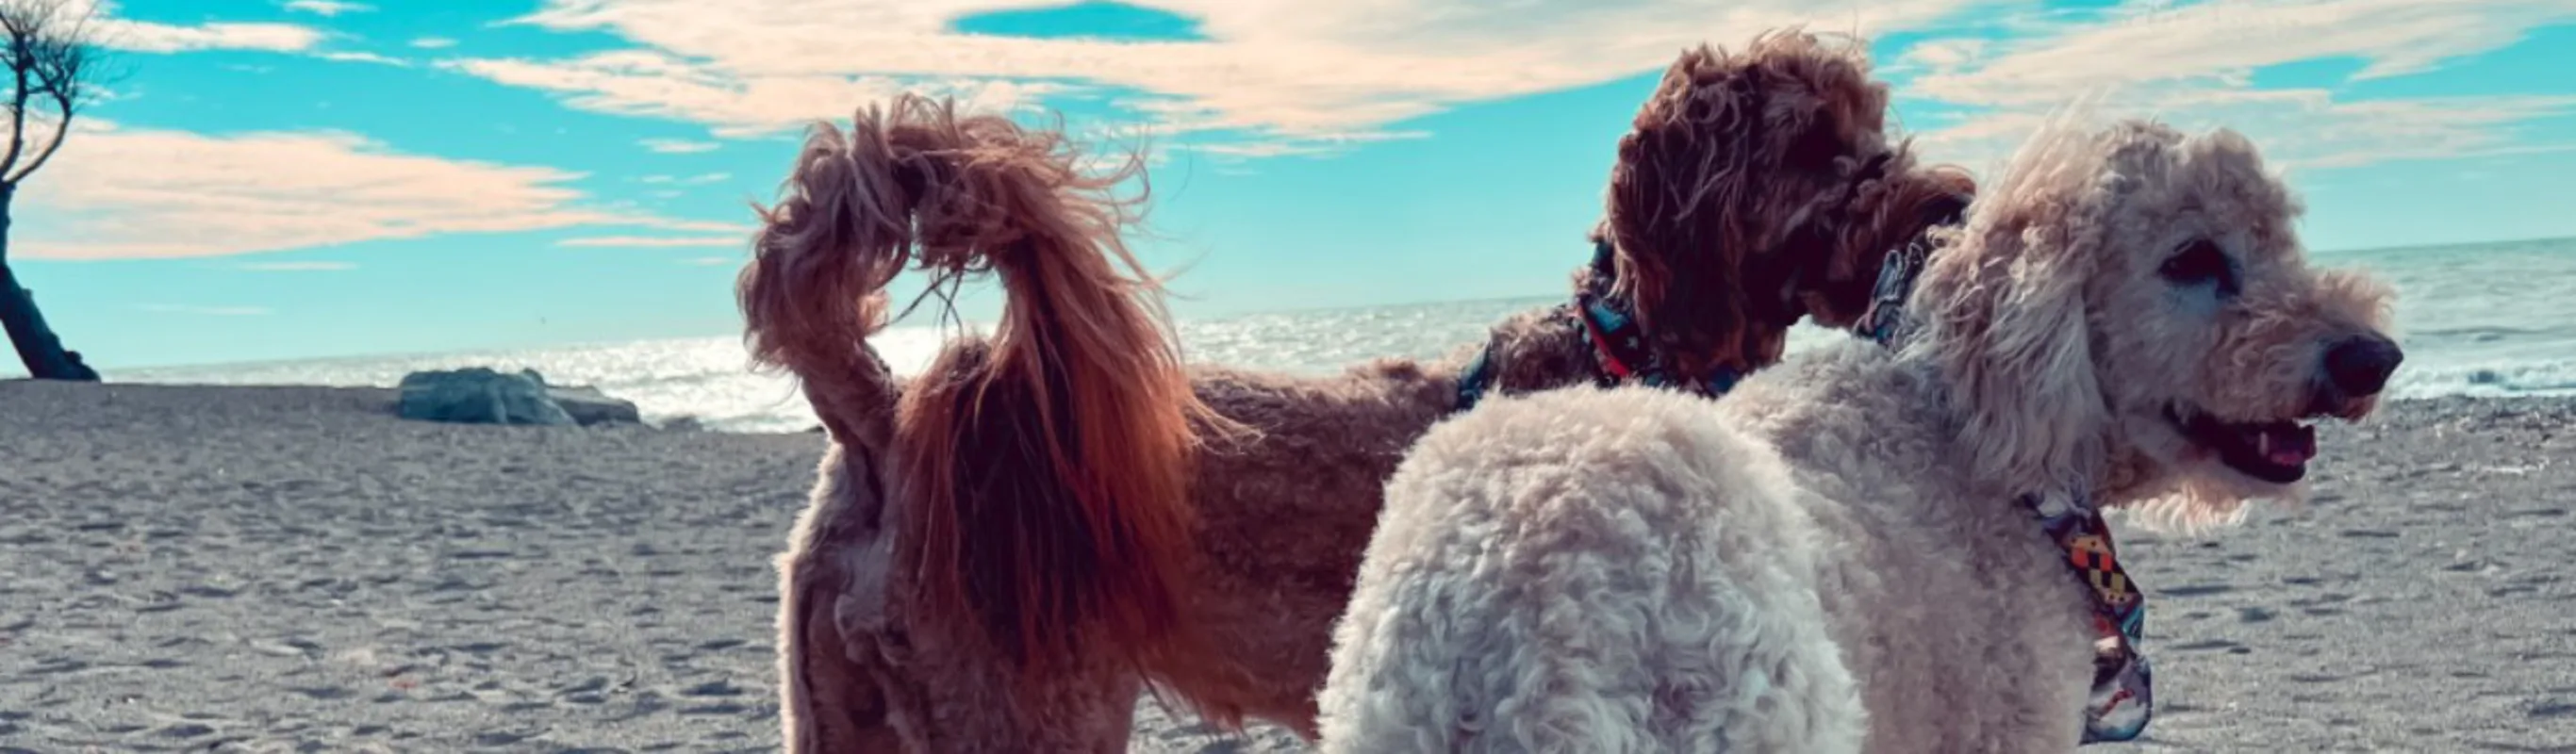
x=1870 y=548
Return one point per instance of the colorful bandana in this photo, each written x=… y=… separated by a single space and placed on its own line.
x=2123 y=700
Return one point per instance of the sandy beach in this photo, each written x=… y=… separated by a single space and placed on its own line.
x=294 y=569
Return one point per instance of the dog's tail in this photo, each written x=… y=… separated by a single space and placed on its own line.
x=1042 y=472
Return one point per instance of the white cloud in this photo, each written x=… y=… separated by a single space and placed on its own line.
x=695 y=226
x=153 y=37
x=694 y=180
x=363 y=57
x=327 y=7
x=2310 y=128
x=433 y=43
x=678 y=146
x=1277 y=68
x=2304 y=128
x=298 y=266
x=653 y=242
x=1325 y=144
x=2193 y=65
x=633 y=82
x=98 y=18
x=2222 y=41
x=206 y=311
x=137 y=193
x=146 y=36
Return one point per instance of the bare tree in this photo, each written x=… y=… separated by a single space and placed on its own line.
x=52 y=61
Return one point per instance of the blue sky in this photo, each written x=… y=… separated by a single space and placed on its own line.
x=283 y=179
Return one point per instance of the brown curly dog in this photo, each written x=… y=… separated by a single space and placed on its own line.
x=1002 y=552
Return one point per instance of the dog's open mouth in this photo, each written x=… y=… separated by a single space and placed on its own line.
x=2273 y=451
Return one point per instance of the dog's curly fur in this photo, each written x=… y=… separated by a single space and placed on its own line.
x=1832 y=558
x=1000 y=553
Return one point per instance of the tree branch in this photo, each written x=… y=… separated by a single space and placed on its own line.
x=62 y=131
x=17 y=127
x=51 y=56
x=21 y=61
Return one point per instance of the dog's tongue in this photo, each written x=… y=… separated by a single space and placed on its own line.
x=2286 y=444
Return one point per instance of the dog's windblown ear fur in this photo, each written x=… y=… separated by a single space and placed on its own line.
x=1884 y=215
x=2005 y=320
x=1657 y=226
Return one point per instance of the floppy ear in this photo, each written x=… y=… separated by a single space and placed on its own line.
x=1671 y=220
x=2005 y=319
x=1883 y=216
x=1732 y=151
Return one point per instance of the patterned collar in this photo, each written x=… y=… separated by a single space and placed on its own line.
x=1619 y=351
x=1884 y=320
x=2123 y=698
x=1620 y=355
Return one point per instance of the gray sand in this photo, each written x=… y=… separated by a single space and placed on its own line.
x=291 y=569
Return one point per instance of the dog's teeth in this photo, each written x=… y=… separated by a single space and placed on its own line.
x=2263 y=444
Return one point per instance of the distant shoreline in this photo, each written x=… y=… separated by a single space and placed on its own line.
x=386 y=396
x=2485 y=320
x=10 y=370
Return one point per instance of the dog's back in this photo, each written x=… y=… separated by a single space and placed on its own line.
x=1586 y=570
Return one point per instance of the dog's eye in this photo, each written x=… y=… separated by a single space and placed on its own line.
x=2200 y=262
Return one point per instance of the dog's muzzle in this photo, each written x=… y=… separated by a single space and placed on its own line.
x=2355 y=370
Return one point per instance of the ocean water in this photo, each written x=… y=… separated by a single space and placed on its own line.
x=2487 y=320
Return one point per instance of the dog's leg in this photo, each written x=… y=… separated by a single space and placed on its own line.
x=831 y=694
x=849 y=685
x=978 y=707
x=857 y=676
x=890 y=693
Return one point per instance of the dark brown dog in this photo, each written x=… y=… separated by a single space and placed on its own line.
x=1001 y=553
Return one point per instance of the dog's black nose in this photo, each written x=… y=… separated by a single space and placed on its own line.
x=2360 y=366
